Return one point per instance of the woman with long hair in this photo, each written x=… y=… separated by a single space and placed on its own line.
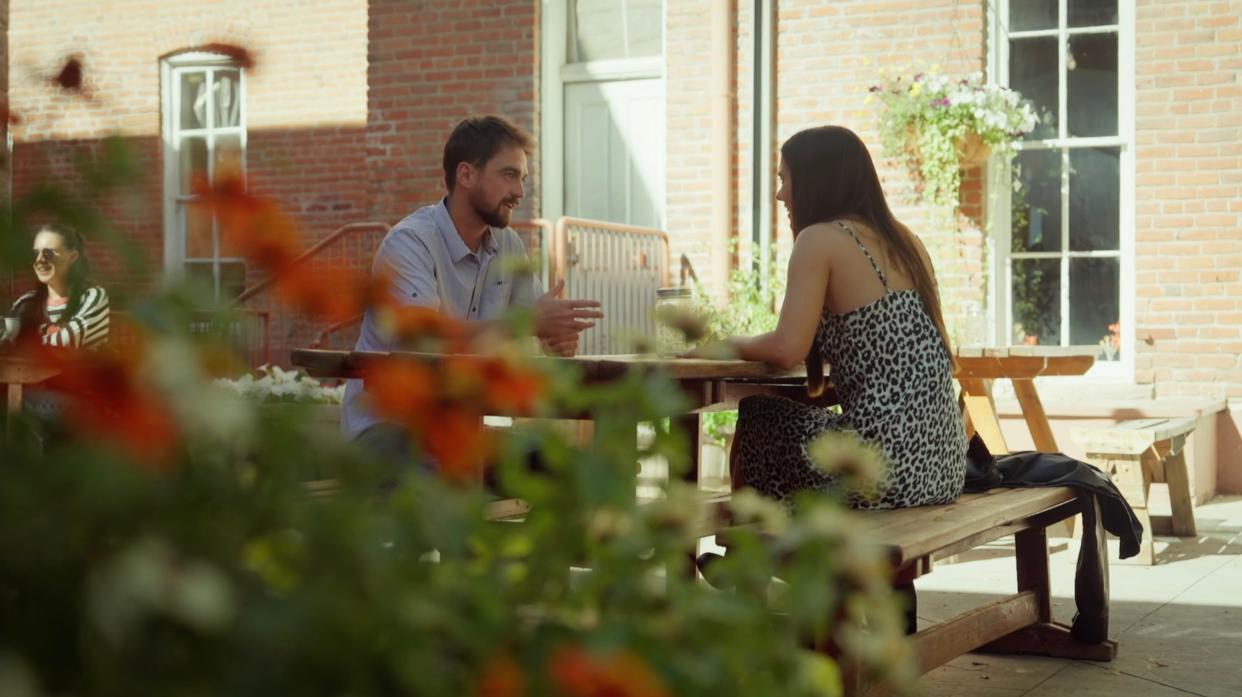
x=861 y=296
x=65 y=309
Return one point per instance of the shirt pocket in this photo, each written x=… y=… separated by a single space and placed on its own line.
x=496 y=299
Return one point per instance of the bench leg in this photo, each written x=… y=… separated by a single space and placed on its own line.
x=1049 y=638
x=1178 y=479
x=1133 y=480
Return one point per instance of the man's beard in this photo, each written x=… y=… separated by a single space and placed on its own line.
x=496 y=217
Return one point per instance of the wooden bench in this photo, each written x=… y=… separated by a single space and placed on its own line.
x=1136 y=454
x=1021 y=623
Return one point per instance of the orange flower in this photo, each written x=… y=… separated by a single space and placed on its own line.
x=405 y=323
x=579 y=673
x=109 y=401
x=502 y=677
x=456 y=439
x=254 y=226
x=403 y=391
x=333 y=294
x=511 y=389
x=241 y=57
x=70 y=75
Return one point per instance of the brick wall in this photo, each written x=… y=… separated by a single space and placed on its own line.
x=828 y=53
x=431 y=64
x=687 y=203
x=4 y=93
x=1189 y=204
x=305 y=108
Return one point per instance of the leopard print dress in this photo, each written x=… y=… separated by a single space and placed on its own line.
x=895 y=382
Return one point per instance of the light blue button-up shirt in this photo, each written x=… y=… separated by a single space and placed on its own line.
x=430 y=266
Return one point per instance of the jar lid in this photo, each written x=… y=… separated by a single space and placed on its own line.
x=675 y=292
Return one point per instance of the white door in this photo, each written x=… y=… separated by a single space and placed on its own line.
x=614 y=151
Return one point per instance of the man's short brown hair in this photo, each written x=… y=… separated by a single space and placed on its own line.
x=477 y=140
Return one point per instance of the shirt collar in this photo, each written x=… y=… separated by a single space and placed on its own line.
x=452 y=241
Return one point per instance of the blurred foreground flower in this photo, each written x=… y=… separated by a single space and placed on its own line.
x=110 y=398
x=69 y=77
x=580 y=673
x=444 y=407
x=843 y=455
x=267 y=236
x=502 y=677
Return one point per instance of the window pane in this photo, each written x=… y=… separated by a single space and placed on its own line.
x=1027 y=15
x=1091 y=85
x=1095 y=305
x=193 y=100
x=1033 y=73
x=1037 y=301
x=232 y=279
x=1094 y=188
x=1091 y=13
x=644 y=20
x=598 y=36
x=227 y=89
x=227 y=158
x=193 y=157
x=200 y=273
x=196 y=221
x=1035 y=206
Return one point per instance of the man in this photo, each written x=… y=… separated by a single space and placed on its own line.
x=456 y=256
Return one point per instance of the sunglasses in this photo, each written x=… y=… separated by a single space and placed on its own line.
x=46 y=253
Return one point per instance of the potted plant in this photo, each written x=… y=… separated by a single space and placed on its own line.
x=936 y=125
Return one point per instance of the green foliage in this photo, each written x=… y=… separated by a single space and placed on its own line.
x=927 y=118
x=747 y=309
x=213 y=570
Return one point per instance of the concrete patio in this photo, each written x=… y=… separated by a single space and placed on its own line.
x=1178 y=623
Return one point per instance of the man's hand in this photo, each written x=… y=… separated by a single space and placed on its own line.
x=562 y=345
x=556 y=320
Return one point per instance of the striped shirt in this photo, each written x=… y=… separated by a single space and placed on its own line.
x=87 y=328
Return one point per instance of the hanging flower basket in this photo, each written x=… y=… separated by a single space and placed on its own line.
x=971 y=150
x=937 y=126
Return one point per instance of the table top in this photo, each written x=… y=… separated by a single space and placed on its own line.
x=322 y=363
x=985 y=363
x=18 y=370
x=1019 y=362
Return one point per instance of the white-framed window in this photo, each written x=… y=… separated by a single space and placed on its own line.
x=204 y=131
x=602 y=115
x=1064 y=229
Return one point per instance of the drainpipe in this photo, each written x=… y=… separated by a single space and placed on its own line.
x=761 y=174
x=721 y=162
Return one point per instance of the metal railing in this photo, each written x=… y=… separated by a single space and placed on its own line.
x=622 y=266
x=351 y=246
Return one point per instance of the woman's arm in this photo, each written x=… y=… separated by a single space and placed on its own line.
x=88 y=327
x=805 y=289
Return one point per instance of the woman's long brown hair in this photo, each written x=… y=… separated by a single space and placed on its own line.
x=834 y=178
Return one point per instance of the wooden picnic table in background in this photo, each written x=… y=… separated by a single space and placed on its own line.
x=15 y=373
x=708 y=385
x=712 y=385
x=978 y=367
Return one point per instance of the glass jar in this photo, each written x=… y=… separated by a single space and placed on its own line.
x=674 y=310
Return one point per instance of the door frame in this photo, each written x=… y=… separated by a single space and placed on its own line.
x=554 y=75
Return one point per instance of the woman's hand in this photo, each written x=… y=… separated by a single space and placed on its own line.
x=712 y=350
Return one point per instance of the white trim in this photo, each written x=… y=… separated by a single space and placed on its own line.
x=554 y=18
x=1000 y=242
x=171 y=68
x=615 y=69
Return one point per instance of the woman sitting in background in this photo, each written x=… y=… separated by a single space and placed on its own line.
x=65 y=309
x=861 y=296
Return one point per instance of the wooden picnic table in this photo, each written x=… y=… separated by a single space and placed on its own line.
x=979 y=367
x=708 y=385
x=15 y=373
x=712 y=385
